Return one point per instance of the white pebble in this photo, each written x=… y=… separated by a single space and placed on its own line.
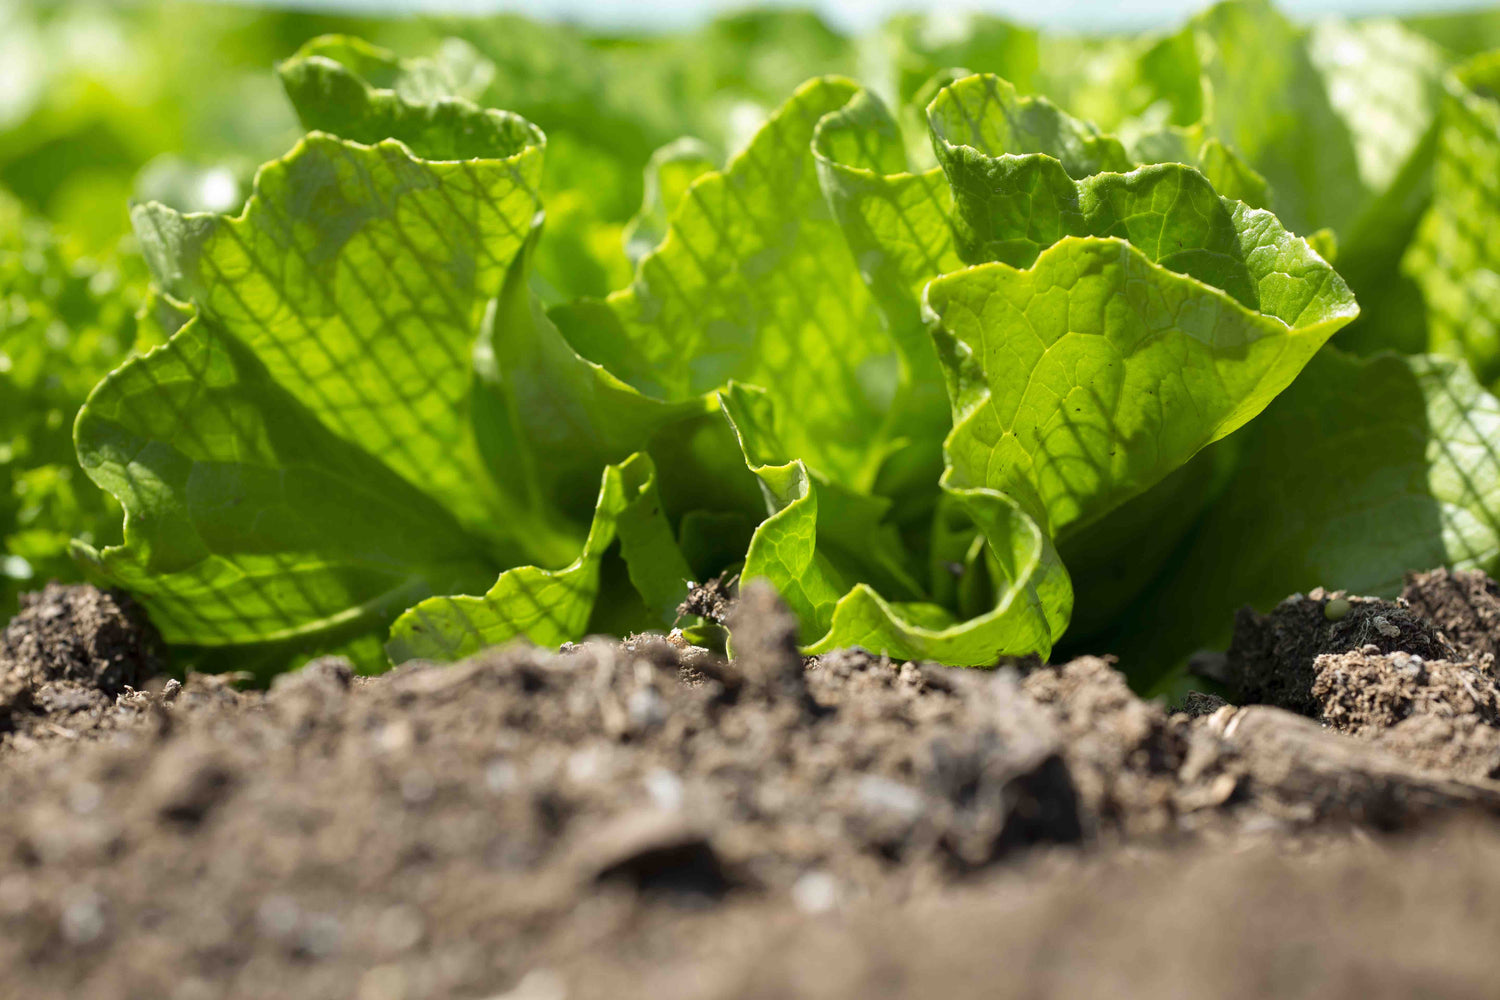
x=890 y=796
x=646 y=708
x=83 y=917
x=501 y=777
x=394 y=737
x=665 y=789
x=815 y=892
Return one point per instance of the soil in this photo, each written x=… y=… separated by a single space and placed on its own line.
x=646 y=819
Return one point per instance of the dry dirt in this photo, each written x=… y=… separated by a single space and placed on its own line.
x=646 y=820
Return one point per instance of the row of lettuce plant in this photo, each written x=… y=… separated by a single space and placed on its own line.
x=961 y=374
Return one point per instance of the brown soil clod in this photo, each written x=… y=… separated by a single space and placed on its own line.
x=1271 y=658
x=764 y=633
x=712 y=600
x=1200 y=703
x=1464 y=605
x=1437 y=714
x=654 y=851
x=70 y=651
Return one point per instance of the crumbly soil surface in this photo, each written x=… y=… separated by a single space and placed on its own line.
x=644 y=819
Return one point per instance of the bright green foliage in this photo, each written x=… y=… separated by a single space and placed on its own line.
x=65 y=321
x=550 y=607
x=1259 y=91
x=1329 y=115
x=822 y=548
x=896 y=225
x=672 y=170
x=1005 y=157
x=1007 y=344
x=1336 y=117
x=352 y=268
x=1033 y=597
x=248 y=519
x=753 y=283
x=1455 y=258
x=1089 y=377
x=315 y=449
x=1024 y=175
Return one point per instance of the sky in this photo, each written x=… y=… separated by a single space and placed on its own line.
x=855 y=15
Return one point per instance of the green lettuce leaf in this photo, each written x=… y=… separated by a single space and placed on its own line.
x=901 y=223
x=1336 y=117
x=822 y=548
x=1008 y=194
x=672 y=170
x=353 y=267
x=247 y=519
x=1455 y=258
x=855 y=539
x=907 y=382
x=325 y=74
x=896 y=224
x=1024 y=175
x=753 y=282
x=1032 y=598
x=550 y=607
x=551 y=419
x=1385 y=83
x=1074 y=387
x=1082 y=381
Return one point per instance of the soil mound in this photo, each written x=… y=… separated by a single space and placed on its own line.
x=69 y=652
x=1464 y=605
x=1415 y=676
x=1271 y=658
x=647 y=819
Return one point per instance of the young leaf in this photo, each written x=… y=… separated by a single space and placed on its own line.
x=896 y=224
x=1024 y=175
x=358 y=275
x=753 y=282
x=1084 y=380
x=825 y=570
x=548 y=420
x=367 y=320
x=550 y=607
x=330 y=365
x=1032 y=604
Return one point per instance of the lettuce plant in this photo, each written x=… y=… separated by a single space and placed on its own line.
x=962 y=375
